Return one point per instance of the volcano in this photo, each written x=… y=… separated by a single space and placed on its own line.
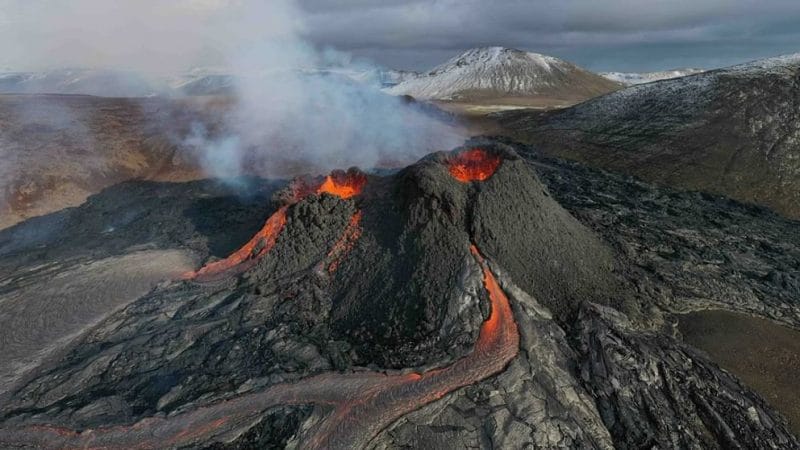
x=453 y=303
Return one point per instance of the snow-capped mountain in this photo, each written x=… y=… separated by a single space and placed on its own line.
x=503 y=72
x=631 y=78
x=202 y=81
x=116 y=83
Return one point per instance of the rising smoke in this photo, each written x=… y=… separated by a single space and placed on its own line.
x=301 y=109
x=298 y=108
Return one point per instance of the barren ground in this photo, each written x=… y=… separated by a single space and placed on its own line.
x=47 y=312
x=764 y=354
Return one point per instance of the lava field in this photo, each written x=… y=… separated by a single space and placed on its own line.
x=486 y=297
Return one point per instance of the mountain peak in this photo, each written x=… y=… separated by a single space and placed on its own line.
x=488 y=72
x=498 y=56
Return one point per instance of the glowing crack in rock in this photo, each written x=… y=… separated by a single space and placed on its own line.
x=258 y=246
x=345 y=243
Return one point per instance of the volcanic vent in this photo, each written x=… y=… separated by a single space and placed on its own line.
x=474 y=164
x=370 y=306
x=339 y=183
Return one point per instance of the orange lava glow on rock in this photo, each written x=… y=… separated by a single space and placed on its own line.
x=345 y=243
x=473 y=165
x=188 y=434
x=257 y=246
x=500 y=315
x=343 y=184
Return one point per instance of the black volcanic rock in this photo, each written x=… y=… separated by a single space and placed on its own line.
x=416 y=228
x=732 y=131
x=269 y=356
x=685 y=251
x=653 y=391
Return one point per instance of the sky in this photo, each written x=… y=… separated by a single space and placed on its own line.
x=601 y=35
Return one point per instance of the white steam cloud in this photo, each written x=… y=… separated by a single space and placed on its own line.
x=289 y=116
x=302 y=109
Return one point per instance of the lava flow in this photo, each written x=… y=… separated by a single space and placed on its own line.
x=339 y=183
x=258 y=246
x=361 y=404
x=345 y=243
x=474 y=164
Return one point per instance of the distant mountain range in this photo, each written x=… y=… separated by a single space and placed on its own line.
x=733 y=131
x=492 y=72
x=106 y=83
x=479 y=73
x=120 y=83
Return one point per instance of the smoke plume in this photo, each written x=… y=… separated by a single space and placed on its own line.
x=298 y=108
x=302 y=109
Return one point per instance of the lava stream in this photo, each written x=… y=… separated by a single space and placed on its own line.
x=473 y=165
x=362 y=403
x=258 y=246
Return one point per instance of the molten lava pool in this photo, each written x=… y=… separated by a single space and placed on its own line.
x=343 y=184
x=473 y=165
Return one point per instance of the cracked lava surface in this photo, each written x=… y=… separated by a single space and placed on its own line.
x=361 y=404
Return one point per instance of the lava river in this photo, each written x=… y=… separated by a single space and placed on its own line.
x=359 y=404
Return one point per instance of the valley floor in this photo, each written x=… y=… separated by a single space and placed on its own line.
x=765 y=355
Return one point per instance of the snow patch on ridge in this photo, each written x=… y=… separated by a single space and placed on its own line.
x=632 y=78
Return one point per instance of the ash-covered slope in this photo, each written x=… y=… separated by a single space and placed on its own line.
x=452 y=304
x=503 y=72
x=732 y=131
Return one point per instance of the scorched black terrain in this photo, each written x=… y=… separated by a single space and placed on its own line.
x=454 y=303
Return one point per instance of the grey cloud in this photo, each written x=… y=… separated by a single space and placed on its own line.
x=417 y=34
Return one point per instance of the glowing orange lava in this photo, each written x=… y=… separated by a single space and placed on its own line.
x=343 y=184
x=500 y=315
x=257 y=246
x=473 y=165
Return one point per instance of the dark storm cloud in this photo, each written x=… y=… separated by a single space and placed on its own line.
x=603 y=35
